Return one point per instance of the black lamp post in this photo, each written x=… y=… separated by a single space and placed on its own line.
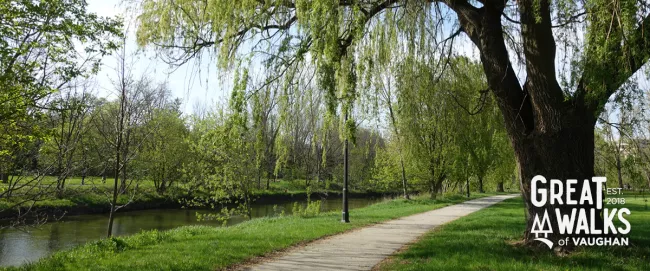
x=346 y=214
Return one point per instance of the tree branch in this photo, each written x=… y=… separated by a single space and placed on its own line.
x=539 y=48
x=631 y=56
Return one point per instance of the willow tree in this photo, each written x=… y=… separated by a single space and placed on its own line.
x=549 y=112
x=427 y=118
x=478 y=122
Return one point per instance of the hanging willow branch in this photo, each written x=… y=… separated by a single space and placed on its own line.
x=479 y=107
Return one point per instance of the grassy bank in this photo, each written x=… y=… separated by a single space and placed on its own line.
x=88 y=200
x=484 y=241
x=94 y=195
x=91 y=197
x=210 y=248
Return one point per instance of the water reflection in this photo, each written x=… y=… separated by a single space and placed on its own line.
x=18 y=247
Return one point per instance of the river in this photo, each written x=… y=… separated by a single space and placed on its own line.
x=27 y=245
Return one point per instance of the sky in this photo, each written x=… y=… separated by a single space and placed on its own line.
x=208 y=87
x=184 y=82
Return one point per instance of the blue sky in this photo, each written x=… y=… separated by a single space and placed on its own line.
x=185 y=82
x=201 y=83
x=207 y=87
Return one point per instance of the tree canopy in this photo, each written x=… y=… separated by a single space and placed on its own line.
x=549 y=111
x=38 y=56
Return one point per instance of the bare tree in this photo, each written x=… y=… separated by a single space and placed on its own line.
x=67 y=115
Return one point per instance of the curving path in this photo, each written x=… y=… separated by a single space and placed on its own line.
x=364 y=248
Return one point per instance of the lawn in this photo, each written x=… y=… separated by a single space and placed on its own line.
x=97 y=193
x=275 y=186
x=93 y=193
x=484 y=241
x=74 y=182
x=210 y=248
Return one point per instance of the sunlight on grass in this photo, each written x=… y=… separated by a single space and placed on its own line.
x=210 y=248
x=482 y=241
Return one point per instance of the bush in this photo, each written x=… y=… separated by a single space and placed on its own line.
x=310 y=210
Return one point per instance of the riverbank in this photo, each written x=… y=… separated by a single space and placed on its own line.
x=32 y=244
x=210 y=248
x=82 y=200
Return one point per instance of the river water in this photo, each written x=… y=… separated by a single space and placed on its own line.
x=27 y=245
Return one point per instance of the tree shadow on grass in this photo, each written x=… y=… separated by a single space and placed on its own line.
x=483 y=241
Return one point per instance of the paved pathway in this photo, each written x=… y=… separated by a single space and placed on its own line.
x=364 y=248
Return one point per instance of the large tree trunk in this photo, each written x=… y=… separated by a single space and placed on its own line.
x=404 y=186
x=552 y=134
x=551 y=129
x=435 y=186
x=480 y=184
x=4 y=177
x=432 y=190
x=565 y=154
x=163 y=187
x=500 y=187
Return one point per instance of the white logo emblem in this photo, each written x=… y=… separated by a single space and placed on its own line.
x=542 y=227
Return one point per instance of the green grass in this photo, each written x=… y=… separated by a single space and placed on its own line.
x=74 y=182
x=484 y=241
x=277 y=186
x=86 y=197
x=210 y=248
x=94 y=192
